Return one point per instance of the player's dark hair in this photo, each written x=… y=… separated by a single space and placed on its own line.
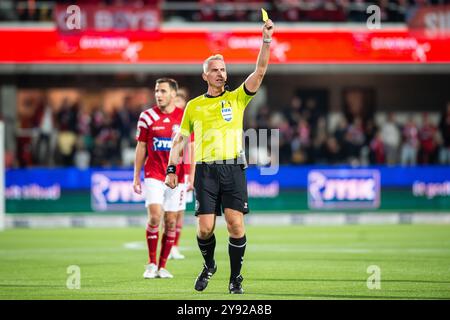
x=173 y=84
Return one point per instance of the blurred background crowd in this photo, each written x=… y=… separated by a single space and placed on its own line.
x=234 y=10
x=65 y=128
x=69 y=127
x=309 y=136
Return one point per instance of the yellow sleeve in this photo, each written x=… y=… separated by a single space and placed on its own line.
x=244 y=96
x=186 y=124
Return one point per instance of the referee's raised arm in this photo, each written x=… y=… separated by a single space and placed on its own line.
x=255 y=79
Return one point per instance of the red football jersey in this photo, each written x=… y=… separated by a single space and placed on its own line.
x=157 y=129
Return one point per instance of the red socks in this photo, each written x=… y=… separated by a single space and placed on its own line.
x=152 y=235
x=177 y=235
x=167 y=243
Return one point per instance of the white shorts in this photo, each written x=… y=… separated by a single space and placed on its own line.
x=156 y=192
x=189 y=194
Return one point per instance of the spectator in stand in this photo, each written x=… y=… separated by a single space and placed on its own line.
x=402 y=10
x=410 y=146
x=122 y=121
x=241 y=10
x=27 y=122
x=427 y=138
x=333 y=151
x=414 y=6
x=67 y=132
x=301 y=143
x=289 y=10
x=334 y=11
x=207 y=11
x=286 y=135
x=44 y=144
x=390 y=134
x=311 y=113
x=341 y=129
x=387 y=12
x=320 y=138
x=357 y=12
x=85 y=142
x=293 y=111
x=377 y=149
x=97 y=123
x=325 y=11
x=263 y=118
x=444 y=128
x=371 y=131
x=278 y=121
x=225 y=11
x=106 y=144
x=355 y=139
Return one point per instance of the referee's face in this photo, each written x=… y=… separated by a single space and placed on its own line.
x=164 y=94
x=216 y=75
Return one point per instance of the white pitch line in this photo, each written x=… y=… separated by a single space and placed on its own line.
x=308 y=249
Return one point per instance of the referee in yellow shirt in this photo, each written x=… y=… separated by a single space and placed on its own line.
x=216 y=119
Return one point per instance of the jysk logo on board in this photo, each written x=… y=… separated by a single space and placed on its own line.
x=343 y=188
x=113 y=190
x=162 y=144
x=227 y=111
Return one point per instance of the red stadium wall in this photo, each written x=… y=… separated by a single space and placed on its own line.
x=297 y=46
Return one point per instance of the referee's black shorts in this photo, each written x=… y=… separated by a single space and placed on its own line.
x=220 y=186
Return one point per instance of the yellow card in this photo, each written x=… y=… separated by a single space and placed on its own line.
x=264 y=15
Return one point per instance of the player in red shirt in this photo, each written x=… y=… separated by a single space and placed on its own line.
x=189 y=170
x=155 y=129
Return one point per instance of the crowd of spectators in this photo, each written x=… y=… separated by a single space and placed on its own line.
x=235 y=10
x=306 y=137
x=71 y=136
x=77 y=136
x=304 y=10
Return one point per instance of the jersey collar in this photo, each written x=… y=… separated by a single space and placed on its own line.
x=210 y=96
x=226 y=87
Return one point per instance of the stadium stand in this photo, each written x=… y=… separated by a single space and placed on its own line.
x=397 y=11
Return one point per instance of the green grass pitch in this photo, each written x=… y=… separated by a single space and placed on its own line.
x=292 y=262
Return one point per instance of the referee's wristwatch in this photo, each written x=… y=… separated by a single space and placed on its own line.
x=171 y=169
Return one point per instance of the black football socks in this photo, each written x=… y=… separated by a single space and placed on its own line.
x=236 y=250
x=207 y=248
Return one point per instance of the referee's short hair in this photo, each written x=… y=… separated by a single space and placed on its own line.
x=214 y=57
x=173 y=84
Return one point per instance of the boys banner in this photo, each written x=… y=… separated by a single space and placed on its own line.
x=93 y=18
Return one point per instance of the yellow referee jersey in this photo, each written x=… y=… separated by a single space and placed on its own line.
x=217 y=123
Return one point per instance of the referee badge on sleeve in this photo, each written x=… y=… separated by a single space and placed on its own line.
x=227 y=111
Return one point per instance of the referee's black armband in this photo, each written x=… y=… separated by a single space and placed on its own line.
x=171 y=169
x=248 y=92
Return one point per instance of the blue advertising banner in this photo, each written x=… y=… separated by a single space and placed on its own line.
x=287 y=176
x=293 y=188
